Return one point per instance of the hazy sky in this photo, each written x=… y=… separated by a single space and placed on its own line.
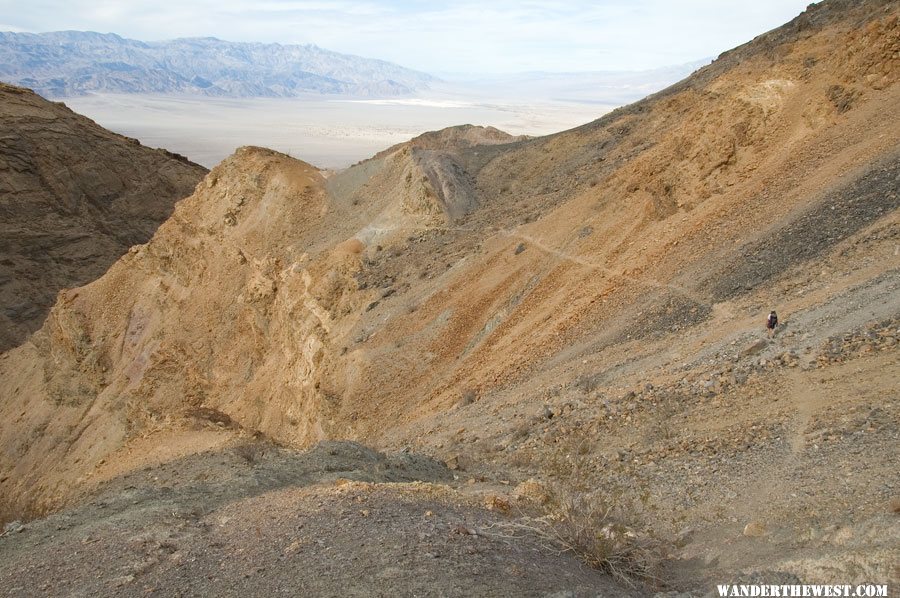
x=464 y=36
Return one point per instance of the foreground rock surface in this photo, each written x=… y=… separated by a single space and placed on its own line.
x=339 y=520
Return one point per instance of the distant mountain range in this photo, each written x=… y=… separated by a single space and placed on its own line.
x=72 y=63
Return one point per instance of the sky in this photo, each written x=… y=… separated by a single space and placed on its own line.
x=463 y=37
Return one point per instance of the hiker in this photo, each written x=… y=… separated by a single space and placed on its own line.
x=771 y=323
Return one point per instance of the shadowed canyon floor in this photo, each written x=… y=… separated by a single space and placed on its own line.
x=579 y=313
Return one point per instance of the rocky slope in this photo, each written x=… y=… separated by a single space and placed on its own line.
x=73 y=198
x=69 y=63
x=584 y=308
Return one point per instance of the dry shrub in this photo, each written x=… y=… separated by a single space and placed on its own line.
x=468 y=397
x=522 y=459
x=250 y=452
x=494 y=502
x=533 y=491
x=608 y=530
x=662 y=425
x=599 y=530
x=213 y=416
x=602 y=533
x=571 y=461
x=612 y=530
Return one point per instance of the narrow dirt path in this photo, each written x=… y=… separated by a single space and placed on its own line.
x=563 y=255
x=805 y=401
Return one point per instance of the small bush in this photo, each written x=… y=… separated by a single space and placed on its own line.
x=589 y=383
x=250 y=452
x=608 y=530
x=595 y=528
x=468 y=397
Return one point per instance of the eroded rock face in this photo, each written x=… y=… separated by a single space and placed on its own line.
x=226 y=308
x=73 y=198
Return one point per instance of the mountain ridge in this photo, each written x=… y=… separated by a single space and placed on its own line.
x=66 y=63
